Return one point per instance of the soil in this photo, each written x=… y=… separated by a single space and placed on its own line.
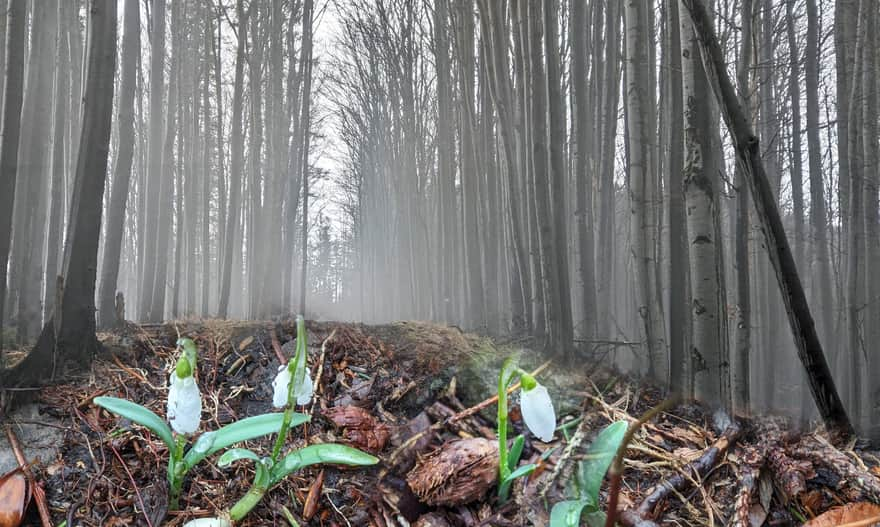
x=402 y=390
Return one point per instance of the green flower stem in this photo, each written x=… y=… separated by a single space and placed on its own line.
x=282 y=433
x=176 y=470
x=503 y=469
x=247 y=502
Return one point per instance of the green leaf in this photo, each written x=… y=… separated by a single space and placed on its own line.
x=524 y=470
x=323 y=453
x=598 y=458
x=568 y=513
x=234 y=454
x=250 y=428
x=515 y=452
x=140 y=415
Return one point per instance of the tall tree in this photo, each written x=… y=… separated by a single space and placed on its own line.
x=748 y=154
x=818 y=215
x=640 y=128
x=235 y=164
x=33 y=172
x=583 y=171
x=154 y=161
x=71 y=334
x=131 y=44
x=9 y=134
x=709 y=354
x=305 y=124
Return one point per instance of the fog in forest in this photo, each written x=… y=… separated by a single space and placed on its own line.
x=558 y=171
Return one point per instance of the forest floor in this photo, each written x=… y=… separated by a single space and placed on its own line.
x=402 y=390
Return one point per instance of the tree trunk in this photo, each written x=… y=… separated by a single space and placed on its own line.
x=305 y=123
x=9 y=134
x=563 y=341
x=131 y=44
x=33 y=172
x=72 y=332
x=154 y=161
x=640 y=129
x=742 y=357
x=583 y=173
x=679 y=351
x=818 y=216
x=709 y=355
x=59 y=165
x=236 y=162
x=749 y=155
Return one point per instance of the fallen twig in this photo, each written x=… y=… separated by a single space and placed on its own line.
x=36 y=490
x=616 y=470
x=689 y=473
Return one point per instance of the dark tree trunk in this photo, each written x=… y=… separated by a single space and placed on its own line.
x=70 y=336
x=131 y=44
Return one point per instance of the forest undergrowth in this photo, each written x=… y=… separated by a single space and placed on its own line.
x=399 y=392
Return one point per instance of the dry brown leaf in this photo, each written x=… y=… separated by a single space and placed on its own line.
x=245 y=343
x=360 y=428
x=851 y=515
x=14 y=498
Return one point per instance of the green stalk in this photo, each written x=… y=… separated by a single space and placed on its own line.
x=282 y=433
x=176 y=471
x=503 y=469
x=247 y=502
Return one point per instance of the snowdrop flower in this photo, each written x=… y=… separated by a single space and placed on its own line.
x=281 y=385
x=208 y=522
x=184 y=399
x=537 y=409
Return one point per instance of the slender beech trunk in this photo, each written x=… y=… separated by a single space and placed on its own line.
x=640 y=130
x=154 y=161
x=305 y=123
x=743 y=349
x=823 y=297
x=9 y=134
x=131 y=44
x=235 y=168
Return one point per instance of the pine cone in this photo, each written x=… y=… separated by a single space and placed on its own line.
x=459 y=472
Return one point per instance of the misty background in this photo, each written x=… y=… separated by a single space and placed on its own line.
x=550 y=169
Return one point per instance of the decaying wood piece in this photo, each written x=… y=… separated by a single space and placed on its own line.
x=459 y=472
x=694 y=470
x=752 y=459
x=823 y=454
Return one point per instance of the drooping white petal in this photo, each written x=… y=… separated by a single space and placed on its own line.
x=538 y=413
x=208 y=522
x=304 y=393
x=280 y=386
x=184 y=404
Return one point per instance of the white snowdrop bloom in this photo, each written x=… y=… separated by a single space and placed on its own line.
x=184 y=404
x=282 y=383
x=208 y=522
x=538 y=413
x=304 y=394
